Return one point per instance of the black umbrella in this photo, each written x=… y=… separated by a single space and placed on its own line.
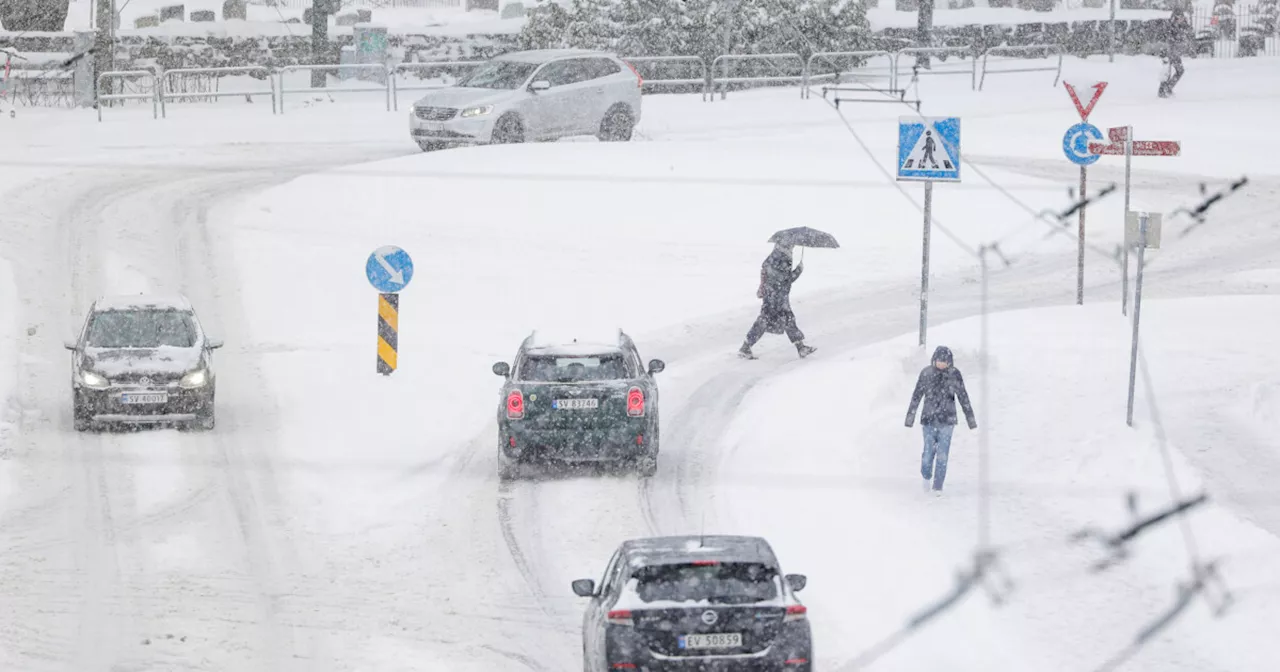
x=803 y=236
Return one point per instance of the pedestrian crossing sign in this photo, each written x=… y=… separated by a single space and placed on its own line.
x=929 y=149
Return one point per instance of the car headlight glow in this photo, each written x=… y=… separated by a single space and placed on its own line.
x=477 y=111
x=196 y=378
x=94 y=380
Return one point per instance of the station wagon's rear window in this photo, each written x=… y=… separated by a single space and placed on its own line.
x=555 y=369
x=726 y=583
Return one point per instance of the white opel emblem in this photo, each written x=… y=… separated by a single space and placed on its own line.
x=144 y=380
x=710 y=617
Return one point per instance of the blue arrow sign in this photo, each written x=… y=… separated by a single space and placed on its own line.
x=389 y=269
x=1075 y=144
x=929 y=149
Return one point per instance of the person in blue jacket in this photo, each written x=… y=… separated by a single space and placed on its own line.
x=938 y=387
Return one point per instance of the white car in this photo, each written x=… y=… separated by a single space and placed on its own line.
x=532 y=96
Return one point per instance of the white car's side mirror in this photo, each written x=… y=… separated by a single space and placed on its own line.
x=540 y=85
x=70 y=345
x=213 y=343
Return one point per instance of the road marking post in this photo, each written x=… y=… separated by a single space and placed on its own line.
x=1075 y=144
x=1148 y=230
x=1122 y=142
x=388 y=332
x=928 y=151
x=389 y=269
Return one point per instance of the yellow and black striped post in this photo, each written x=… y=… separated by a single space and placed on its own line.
x=388 y=328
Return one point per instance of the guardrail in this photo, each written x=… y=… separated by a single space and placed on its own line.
x=425 y=65
x=705 y=81
x=166 y=94
x=385 y=88
x=99 y=97
x=938 y=51
x=726 y=80
x=1050 y=49
x=831 y=56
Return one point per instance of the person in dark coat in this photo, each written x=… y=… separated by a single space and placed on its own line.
x=939 y=385
x=776 y=277
x=1180 y=41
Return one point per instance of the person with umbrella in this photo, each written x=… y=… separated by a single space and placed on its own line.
x=776 y=278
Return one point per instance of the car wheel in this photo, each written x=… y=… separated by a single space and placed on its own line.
x=617 y=125
x=431 y=146
x=508 y=131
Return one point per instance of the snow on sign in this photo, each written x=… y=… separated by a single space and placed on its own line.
x=929 y=149
x=389 y=269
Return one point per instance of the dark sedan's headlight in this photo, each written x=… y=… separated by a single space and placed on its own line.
x=93 y=380
x=197 y=378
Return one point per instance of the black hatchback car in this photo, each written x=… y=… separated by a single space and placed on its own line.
x=578 y=403
x=695 y=604
x=142 y=359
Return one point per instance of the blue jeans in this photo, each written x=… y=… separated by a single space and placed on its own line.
x=937 y=447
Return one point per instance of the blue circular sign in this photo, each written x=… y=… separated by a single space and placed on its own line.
x=1075 y=144
x=389 y=269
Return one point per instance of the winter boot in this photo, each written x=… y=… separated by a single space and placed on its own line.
x=745 y=352
x=804 y=350
x=1165 y=91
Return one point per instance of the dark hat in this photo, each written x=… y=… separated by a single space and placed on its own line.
x=943 y=354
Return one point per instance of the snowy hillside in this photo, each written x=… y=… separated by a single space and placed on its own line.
x=340 y=520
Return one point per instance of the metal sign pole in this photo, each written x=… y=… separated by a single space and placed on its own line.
x=1080 y=252
x=1128 y=164
x=1137 y=310
x=924 y=261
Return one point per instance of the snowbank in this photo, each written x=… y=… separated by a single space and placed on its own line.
x=1061 y=460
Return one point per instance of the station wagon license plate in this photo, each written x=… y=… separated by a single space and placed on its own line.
x=722 y=640
x=144 y=397
x=574 y=404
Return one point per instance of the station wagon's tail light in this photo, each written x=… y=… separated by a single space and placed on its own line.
x=635 y=402
x=621 y=617
x=796 y=612
x=515 y=405
x=639 y=79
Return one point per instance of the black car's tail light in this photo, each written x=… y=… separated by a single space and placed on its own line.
x=515 y=405
x=635 y=402
x=796 y=612
x=620 y=617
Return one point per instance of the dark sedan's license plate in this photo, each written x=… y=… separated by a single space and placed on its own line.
x=723 y=640
x=574 y=404
x=144 y=397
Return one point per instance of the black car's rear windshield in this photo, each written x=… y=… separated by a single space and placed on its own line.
x=726 y=583
x=505 y=75
x=145 y=328
x=564 y=369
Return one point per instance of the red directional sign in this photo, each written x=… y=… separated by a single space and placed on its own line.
x=1084 y=110
x=1118 y=134
x=1140 y=148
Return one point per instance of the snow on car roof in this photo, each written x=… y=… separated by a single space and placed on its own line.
x=544 y=55
x=582 y=342
x=138 y=301
x=675 y=550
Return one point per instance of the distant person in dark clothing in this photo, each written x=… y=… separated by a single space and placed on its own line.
x=1180 y=41
x=939 y=385
x=776 y=276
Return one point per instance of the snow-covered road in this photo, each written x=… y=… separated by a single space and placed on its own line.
x=328 y=524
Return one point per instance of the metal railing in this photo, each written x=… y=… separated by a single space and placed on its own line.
x=726 y=80
x=121 y=75
x=385 y=88
x=166 y=93
x=1050 y=49
x=938 y=51
x=705 y=80
x=396 y=88
x=832 y=57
